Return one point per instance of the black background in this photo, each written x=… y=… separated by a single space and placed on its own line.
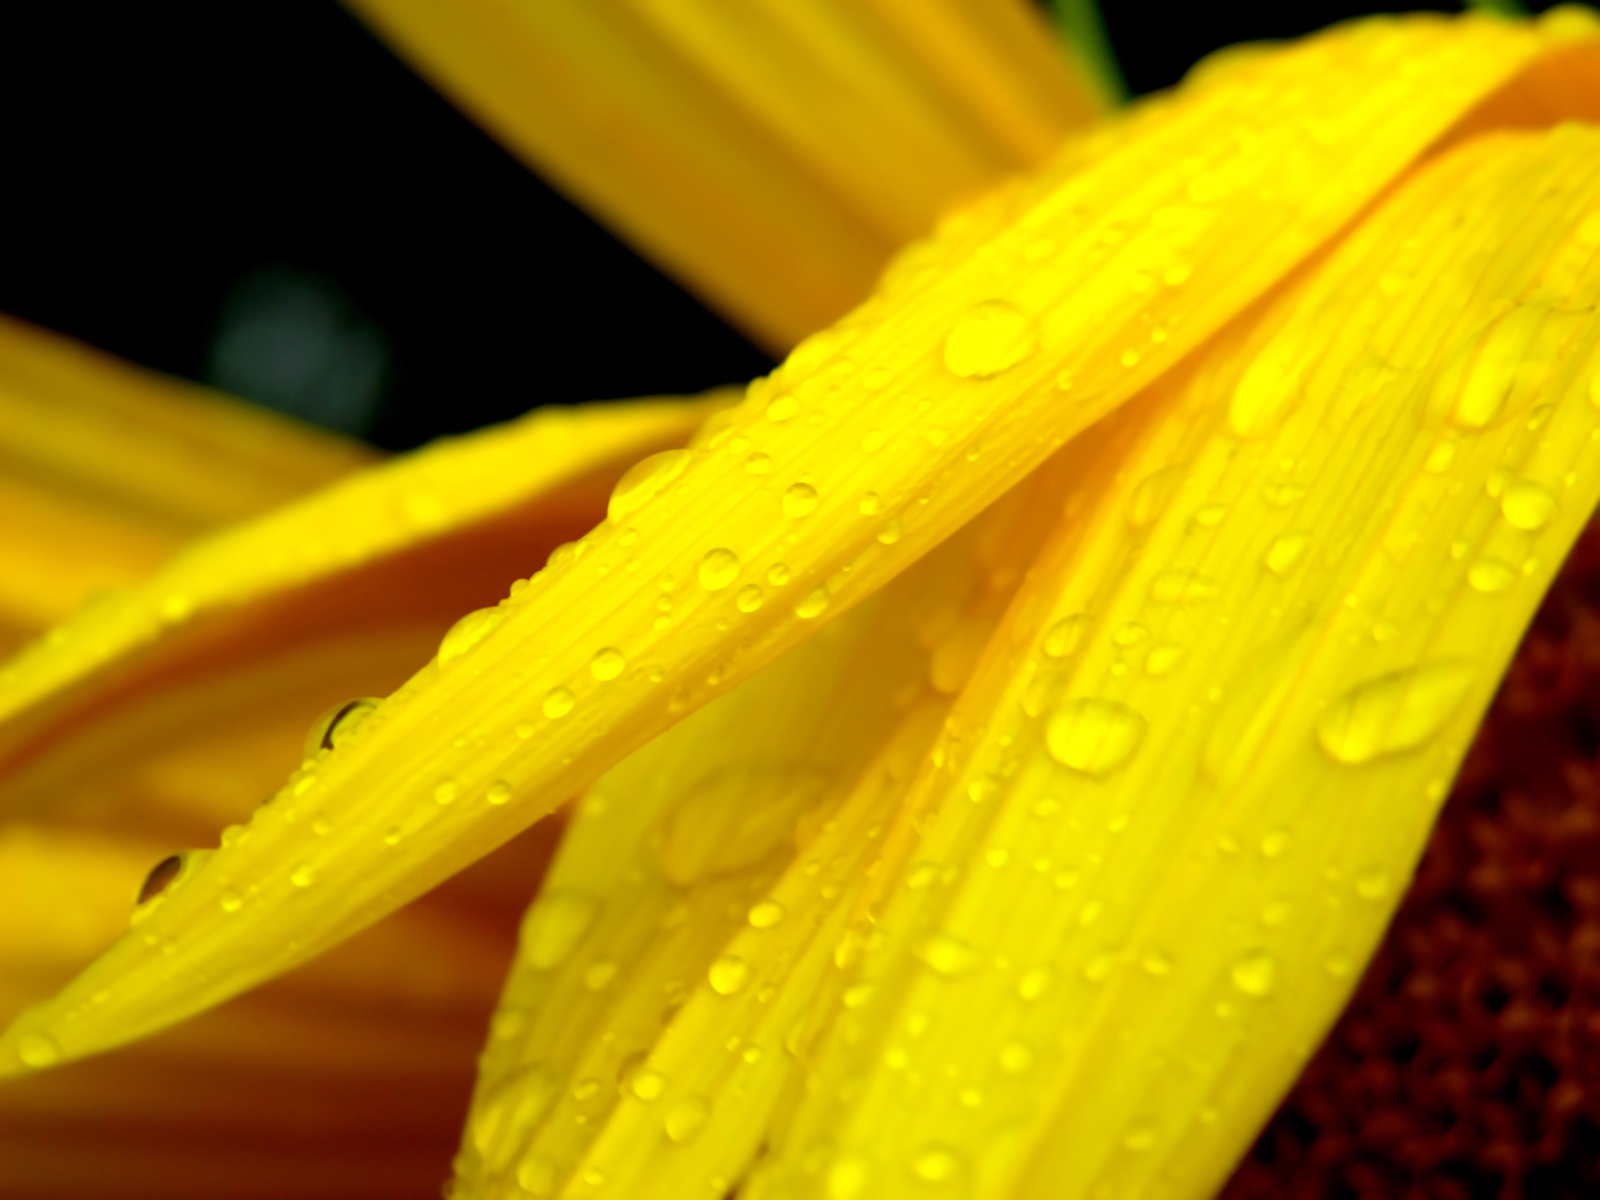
x=156 y=154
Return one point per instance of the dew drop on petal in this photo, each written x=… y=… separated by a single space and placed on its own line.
x=38 y=1050
x=499 y=792
x=336 y=725
x=1094 y=737
x=1372 y=883
x=558 y=702
x=1490 y=576
x=468 y=632
x=647 y=1084
x=749 y=598
x=759 y=464
x=728 y=975
x=1286 y=552
x=303 y=876
x=554 y=925
x=1527 y=506
x=989 y=338
x=1395 y=712
x=607 y=664
x=1065 y=636
x=1182 y=587
x=936 y=1164
x=812 y=604
x=1256 y=974
x=890 y=533
x=782 y=407
x=765 y=914
x=871 y=504
x=685 y=1120
x=642 y=481
x=445 y=791
x=949 y=956
x=231 y=900
x=718 y=569
x=160 y=878
x=799 y=500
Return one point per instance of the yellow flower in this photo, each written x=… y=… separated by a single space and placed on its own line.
x=1001 y=735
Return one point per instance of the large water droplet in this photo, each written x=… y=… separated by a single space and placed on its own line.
x=765 y=914
x=303 y=876
x=1154 y=495
x=729 y=975
x=686 y=1119
x=848 y=1177
x=799 y=500
x=989 y=338
x=336 y=725
x=1501 y=368
x=1256 y=973
x=468 y=632
x=554 y=925
x=813 y=603
x=1528 y=506
x=647 y=1084
x=1490 y=576
x=936 y=1164
x=643 y=481
x=1286 y=552
x=1065 y=636
x=558 y=702
x=1395 y=712
x=950 y=956
x=1093 y=736
x=732 y=819
x=718 y=569
x=607 y=664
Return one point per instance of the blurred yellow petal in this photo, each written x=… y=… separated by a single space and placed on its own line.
x=985 y=354
x=1247 y=672
x=149 y=446
x=771 y=153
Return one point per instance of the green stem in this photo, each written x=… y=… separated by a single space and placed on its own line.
x=1085 y=34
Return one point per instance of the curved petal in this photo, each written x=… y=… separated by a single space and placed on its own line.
x=1037 y=315
x=772 y=153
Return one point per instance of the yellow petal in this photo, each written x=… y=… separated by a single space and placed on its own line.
x=144 y=446
x=772 y=155
x=1183 y=858
x=830 y=479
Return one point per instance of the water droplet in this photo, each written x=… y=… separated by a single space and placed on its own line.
x=607 y=664
x=1490 y=576
x=1286 y=552
x=1182 y=587
x=554 y=926
x=1274 y=842
x=1395 y=712
x=1140 y=1138
x=812 y=604
x=468 y=632
x=499 y=792
x=1269 y=387
x=1065 y=636
x=160 y=878
x=1502 y=366
x=731 y=819
x=38 y=1050
x=890 y=533
x=857 y=995
x=936 y=1164
x=446 y=791
x=647 y=1084
x=1093 y=736
x=718 y=569
x=643 y=481
x=871 y=504
x=1372 y=884
x=759 y=464
x=1527 y=506
x=799 y=500
x=598 y=974
x=303 y=876
x=765 y=914
x=782 y=407
x=558 y=702
x=728 y=975
x=686 y=1119
x=1162 y=659
x=989 y=338
x=231 y=900
x=1256 y=973
x=537 y=1175
x=1035 y=983
x=848 y=1177
x=336 y=725
x=1154 y=495
x=949 y=956
x=1157 y=962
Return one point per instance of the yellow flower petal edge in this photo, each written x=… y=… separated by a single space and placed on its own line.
x=344 y=559
x=702 y=890
x=772 y=155
x=146 y=446
x=1185 y=788
x=1040 y=311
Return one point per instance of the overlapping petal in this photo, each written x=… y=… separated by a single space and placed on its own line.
x=771 y=153
x=984 y=354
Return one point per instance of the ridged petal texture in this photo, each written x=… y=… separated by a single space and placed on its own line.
x=771 y=153
x=1039 y=871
